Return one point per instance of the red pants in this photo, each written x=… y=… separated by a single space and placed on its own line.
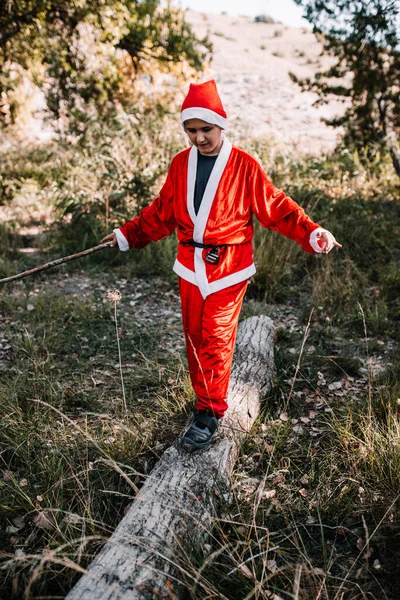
x=210 y=327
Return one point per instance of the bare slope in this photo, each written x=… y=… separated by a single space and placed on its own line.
x=251 y=65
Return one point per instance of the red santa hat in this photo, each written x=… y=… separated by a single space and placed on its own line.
x=203 y=102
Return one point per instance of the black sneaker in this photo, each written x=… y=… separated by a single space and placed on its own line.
x=201 y=430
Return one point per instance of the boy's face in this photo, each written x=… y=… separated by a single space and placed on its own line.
x=205 y=136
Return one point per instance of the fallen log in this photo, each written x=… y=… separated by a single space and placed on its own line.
x=175 y=508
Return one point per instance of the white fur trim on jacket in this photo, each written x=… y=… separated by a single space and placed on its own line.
x=121 y=240
x=313 y=239
x=200 y=220
x=205 y=114
x=219 y=284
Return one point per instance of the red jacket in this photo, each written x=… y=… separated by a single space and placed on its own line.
x=237 y=189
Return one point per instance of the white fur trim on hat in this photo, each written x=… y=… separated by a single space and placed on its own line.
x=205 y=114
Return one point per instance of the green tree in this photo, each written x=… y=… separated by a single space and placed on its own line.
x=81 y=52
x=364 y=38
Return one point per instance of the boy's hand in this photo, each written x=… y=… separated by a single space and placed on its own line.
x=326 y=241
x=112 y=237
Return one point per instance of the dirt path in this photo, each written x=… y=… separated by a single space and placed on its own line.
x=155 y=301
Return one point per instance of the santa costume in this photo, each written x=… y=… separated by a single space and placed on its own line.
x=215 y=232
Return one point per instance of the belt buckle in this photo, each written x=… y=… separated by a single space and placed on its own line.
x=212 y=256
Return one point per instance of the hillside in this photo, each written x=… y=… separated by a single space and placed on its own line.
x=251 y=65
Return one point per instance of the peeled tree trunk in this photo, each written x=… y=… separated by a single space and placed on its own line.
x=174 y=511
x=395 y=154
x=387 y=122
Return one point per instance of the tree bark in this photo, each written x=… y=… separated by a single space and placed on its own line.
x=174 y=510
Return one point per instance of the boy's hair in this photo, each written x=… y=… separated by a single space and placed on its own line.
x=215 y=125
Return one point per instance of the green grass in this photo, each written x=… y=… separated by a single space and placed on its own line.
x=330 y=530
x=68 y=451
x=362 y=211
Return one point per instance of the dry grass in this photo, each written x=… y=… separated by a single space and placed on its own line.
x=314 y=509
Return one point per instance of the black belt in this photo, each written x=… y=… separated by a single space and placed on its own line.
x=199 y=245
x=212 y=256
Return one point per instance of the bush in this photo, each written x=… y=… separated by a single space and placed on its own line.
x=264 y=19
x=98 y=179
x=361 y=210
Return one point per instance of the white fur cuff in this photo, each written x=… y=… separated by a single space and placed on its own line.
x=121 y=240
x=314 y=240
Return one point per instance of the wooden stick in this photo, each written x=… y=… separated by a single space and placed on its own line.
x=55 y=263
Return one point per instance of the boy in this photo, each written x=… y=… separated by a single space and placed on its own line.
x=211 y=192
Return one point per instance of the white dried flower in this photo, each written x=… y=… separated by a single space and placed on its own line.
x=114 y=296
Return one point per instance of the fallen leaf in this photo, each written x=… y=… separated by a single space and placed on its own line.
x=246 y=571
x=269 y=493
x=376 y=564
x=303 y=493
x=72 y=518
x=310 y=520
x=271 y=565
x=336 y=385
x=299 y=429
x=278 y=479
x=284 y=417
x=19 y=522
x=44 y=520
x=12 y=529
